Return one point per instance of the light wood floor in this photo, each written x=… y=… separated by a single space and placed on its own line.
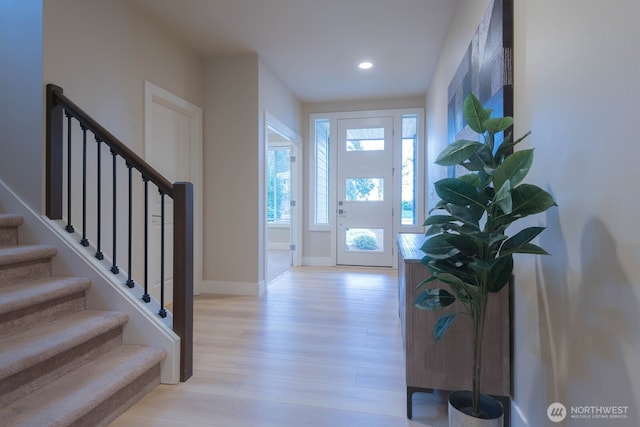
x=278 y=262
x=321 y=348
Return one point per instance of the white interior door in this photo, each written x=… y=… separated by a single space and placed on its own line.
x=365 y=192
x=168 y=153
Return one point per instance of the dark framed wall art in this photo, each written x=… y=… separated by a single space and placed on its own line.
x=486 y=70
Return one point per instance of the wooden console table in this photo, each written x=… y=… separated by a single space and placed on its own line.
x=447 y=364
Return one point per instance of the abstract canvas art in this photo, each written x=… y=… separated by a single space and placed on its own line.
x=486 y=70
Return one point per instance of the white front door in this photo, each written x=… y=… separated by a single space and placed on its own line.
x=168 y=153
x=365 y=192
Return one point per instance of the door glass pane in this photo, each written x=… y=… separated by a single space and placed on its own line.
x=367 y=139
x=322 y=172
x=364 y=240
x=278 y=185
x=409 y=142
x=364 y=189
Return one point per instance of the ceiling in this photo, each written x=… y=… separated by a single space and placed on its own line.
x=314 y=46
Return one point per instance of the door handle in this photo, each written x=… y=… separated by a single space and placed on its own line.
x=341 y=211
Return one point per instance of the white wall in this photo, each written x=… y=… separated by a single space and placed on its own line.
x=239 y=89
x=101 y=53
x=576 y=311
x=231 y=175
x=21 y=121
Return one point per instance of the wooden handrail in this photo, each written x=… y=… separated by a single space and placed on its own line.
x=58 y=99
x=181 y=192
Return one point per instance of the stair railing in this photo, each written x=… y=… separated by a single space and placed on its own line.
x=60 y=201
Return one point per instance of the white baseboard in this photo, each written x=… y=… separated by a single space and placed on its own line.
x=230 y=288
x=318 y=262
x=517 y=417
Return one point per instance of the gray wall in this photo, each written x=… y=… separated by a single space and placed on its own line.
x=21 y=121
x=576 y=311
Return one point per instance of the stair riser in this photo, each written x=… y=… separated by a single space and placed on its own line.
x=30 y=380
x=24 y=271
x=8 y=236
x=125 y=398
x=90 y=384
x=19 y=320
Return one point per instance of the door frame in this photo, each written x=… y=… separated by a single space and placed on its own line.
x=155 y=94
x=295 y=235
x=330 y=228
x=361 y=214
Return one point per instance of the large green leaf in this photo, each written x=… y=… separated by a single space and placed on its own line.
x=519 y=240
x=467 y=244
x=457 y=152
x=450 y=279
x=530 y=248
x=426 y=281
x=503 y=197
x=433 y=299
x=438 y=219
x=457 y=191
x=480 y=160
x=471 y=178
x=498 y=124
x=459 y=274
x=438 y=247
x=474 y=113
x=433 y=230
x=442 y=324
x=464 y=214
x=513 y=169
x=458 y=285
x=530 y=199
x=500 y=273
x=507 y=146
x=440 y=205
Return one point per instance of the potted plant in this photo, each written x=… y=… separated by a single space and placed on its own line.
x=468 y=245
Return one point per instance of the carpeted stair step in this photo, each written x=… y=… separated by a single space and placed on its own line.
x=9 y=224
x=38 y=355
x=26 y=304
x=23 y=263
x=92 y=395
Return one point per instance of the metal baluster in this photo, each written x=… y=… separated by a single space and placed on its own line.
x=69 y=227
x=84 y=242
x=146 y=297
x=99 y=253
x=162 y=312
x=114 y=266
x=130 y=282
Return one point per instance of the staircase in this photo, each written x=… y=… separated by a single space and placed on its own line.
x=61 y=364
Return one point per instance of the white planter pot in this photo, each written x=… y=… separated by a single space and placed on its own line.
x=460 y=408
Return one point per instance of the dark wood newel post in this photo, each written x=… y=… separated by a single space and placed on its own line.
x=54 y=151
x=57 y=106
x=183 y=274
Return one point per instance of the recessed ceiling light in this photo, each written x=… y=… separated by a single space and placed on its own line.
x=365 y=65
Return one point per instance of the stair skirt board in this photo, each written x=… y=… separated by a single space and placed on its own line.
x=106 y=292
x=60 y=363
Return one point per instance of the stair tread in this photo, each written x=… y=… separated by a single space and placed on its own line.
x=39 y=343
x=10 y=220
x=23 y=253
x=21 y=295
x=70 y=397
